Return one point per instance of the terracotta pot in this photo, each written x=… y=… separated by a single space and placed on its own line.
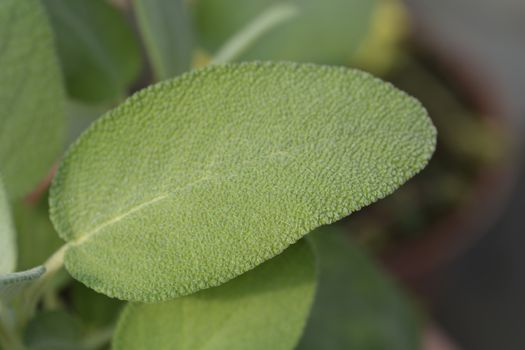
x=414 y=262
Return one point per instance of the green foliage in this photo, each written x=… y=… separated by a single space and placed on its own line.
x=196 y=192
x=194 y=181
x=265 y=308
x=12 y=284
x=356 y=306
x=37 y=239
x=31 y=95
x=96 y=310
x=327 y=31
x=165 y=26
x=55 y=330
x=98 y=50
x=7 y=235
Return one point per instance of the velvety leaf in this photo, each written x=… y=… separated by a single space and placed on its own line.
x=97 y=48
x=166 y=28
x=8 y=249
x=327 y=31
x=265 y=308
x=54 y=330
x=31 y=96
x=12 y=284
x=356 y=305
x=197 y=180
x=37 y=239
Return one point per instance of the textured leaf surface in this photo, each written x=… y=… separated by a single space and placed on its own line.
x=98 y=51
x=327 y=31
x=31 y=96
x=356 y=305
x=12 y=284
x=197 y=180
x=265 y=308
x=166 y=28
x=7 y=235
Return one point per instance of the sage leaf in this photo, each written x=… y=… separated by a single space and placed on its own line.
x=356 y=305
x=98 y=50
x=32 y=114
x=12 y=284
x=197 y=180
x=8 y=250
x=167 y=32
x=265 y=308
x=337 y=27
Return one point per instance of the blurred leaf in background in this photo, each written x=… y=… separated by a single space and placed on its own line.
x=98 y=50
x=54 y=330
x=165 y=26
x=96 y=310
x=31 y=96
x=328 y=31
x=37 y=239
x=356 y=306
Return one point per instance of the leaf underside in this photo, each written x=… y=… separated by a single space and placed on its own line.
x=31 y=96
x=265 y=308
x=12 y=284
x=197 y=180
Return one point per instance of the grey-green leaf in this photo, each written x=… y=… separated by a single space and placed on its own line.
x=166 y=28
x=98 y=50
x=8 y=250
x=324 y=31
x=12 y=284
x=356 y=305
x=197 y=180
x=31 y=96
x=265 y=308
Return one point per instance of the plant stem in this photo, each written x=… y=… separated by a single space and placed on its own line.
x=34 y=293
x=263 y=23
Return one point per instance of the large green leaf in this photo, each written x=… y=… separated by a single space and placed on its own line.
x=194 y=181
x=263 y=309
x=356 y=306
x=31 y=96
x=8 y=248
x=324 y=31
x=97 y=48
x=166 y=28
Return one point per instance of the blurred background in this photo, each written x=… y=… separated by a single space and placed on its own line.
x=452 y=236
x=479 y=298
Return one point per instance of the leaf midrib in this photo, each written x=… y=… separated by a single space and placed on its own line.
x=87 y=235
